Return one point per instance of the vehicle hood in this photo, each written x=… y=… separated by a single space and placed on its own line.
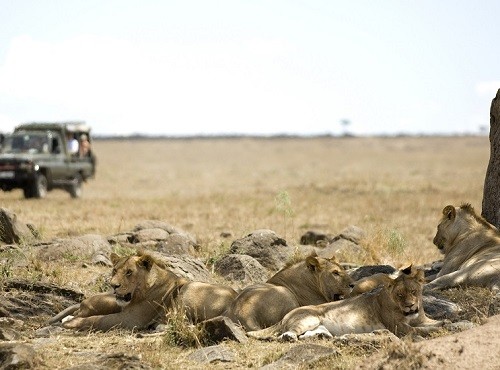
x=20 y=157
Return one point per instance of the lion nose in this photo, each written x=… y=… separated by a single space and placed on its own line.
x=114 y=285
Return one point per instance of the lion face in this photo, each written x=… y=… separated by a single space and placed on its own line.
x=129 y=277
x=333 y=282
x=406 y=291
x=447 y=229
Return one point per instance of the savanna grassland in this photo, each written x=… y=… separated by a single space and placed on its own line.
x=393 y=188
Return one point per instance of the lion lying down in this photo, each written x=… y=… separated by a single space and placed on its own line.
x=395 y=305
x=143 y=292
x=471 y=248
x=312 y=281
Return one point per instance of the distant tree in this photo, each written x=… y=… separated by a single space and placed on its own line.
x=345 y=123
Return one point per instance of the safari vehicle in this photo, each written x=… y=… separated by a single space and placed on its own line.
x=36 y=159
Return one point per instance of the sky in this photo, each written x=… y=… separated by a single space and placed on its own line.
x=210 y=67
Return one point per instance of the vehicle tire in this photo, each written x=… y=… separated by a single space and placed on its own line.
x=75 y=189
x=39 y=186
x=28 y=192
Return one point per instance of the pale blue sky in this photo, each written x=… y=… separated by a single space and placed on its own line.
x=252 y=67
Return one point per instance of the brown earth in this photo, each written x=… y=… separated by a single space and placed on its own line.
x=220 y=190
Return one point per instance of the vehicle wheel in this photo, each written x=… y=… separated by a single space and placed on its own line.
x=39 y=189
x=75 y=189
x=28 y=192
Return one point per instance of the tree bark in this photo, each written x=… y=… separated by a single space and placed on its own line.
x=491 y=192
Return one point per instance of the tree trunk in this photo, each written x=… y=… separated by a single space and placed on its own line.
x=491 y=192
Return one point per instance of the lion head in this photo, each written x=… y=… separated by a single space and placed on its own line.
x=455 y=222
x=129 y=278
x=332 y=280
x=406 y=291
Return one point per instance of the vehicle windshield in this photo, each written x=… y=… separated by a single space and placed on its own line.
x=33 y=142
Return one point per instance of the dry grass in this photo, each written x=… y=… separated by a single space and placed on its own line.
x=393 y=188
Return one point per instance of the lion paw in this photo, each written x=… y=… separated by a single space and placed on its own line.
x=288 y=336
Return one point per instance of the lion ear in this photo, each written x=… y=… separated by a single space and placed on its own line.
x=114 y=258
x=312 y=263
x=146 y=262
x=449 y=212
x=407 y=270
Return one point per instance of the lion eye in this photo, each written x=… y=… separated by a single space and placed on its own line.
x=128 y=273
x=336 y=273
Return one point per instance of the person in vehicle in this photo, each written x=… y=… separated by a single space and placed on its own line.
x=73 y=145
x=84 y=146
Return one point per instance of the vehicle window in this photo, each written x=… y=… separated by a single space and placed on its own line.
x=26 y=143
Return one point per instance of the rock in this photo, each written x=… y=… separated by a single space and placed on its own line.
x=352 y=233
x=153 y=224
x=302 y=354
x=220 y=328
x=185 y=266
x=212 y=354
x=83 y=247
x=9 y=334
x=439 y=308
x=143 y=235
x=47 y=331
x=364 y=271
x=343 y=250
x=18 y=356
x=176 y=244
x=13 y=230
x=265 y=246
x=312 y=237
x=491 y=191
x=241 y=268
x=345 y=246
x=99 y=259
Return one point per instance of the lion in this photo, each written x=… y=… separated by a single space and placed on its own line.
x=471 y=248
x=312 y=281
x=144 y=290
x=372 y=282
x=392 y=305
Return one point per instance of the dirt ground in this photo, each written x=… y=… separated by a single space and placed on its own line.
x=393 y=188
x=476 y=348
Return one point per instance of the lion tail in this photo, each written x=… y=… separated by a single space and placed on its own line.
x=61 y=315
x=269 y=333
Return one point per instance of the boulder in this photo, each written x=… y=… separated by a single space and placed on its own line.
x=154 y=224
x=220 y=328
x=265 y=246
x=368 y=270
x=84 y=247
x=312 y=237
x=18 y=356
x=12 y=230
x=241 y=268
